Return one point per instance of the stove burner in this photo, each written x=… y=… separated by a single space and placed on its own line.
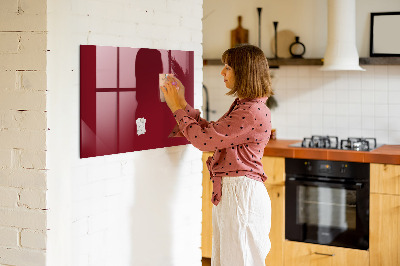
x=328 y=142
x=358 y=144
x=332 y=142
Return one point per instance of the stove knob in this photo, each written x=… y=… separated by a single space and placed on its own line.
x=343 y=168
x=308 y=166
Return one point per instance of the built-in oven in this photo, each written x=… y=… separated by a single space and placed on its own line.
x=327 y=202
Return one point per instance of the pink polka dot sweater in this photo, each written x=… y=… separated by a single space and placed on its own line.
x=238 y=139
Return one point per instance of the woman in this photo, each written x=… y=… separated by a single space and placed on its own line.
x=242 y=211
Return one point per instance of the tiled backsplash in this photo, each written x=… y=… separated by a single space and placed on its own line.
x=314 y=102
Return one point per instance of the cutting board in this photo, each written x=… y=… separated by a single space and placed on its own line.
x=239 y=35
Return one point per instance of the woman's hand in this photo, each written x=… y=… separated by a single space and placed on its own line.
x=181 y=92
x=174 y=93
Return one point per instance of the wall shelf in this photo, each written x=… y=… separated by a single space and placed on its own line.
x=274 y=63
x=380 y=61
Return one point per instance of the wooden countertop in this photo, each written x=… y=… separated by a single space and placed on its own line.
x=389 y=154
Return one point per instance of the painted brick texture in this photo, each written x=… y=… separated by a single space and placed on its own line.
x=33 y=239
x=9 y=237
x=23 y=15
x=113 y=210
x=23 y=218
x=140 y=208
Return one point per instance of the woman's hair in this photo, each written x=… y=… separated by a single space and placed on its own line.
x=250 y=66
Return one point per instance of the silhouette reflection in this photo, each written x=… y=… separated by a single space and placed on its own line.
x=120 y=85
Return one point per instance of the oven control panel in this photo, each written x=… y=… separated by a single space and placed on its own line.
x=325 y=167
x=336 y=169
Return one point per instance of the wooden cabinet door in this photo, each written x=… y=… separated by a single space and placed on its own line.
x=385 y=178
x=384 y=237
x=277 y=233
x=304 y=254
x=274 y=168
x=206 y=226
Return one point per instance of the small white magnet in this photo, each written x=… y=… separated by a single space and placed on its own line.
x=140 y=126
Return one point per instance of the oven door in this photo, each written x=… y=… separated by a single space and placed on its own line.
x=327 y=213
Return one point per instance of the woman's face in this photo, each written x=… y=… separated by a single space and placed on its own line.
x=229 y=76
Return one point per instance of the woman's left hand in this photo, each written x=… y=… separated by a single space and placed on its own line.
x=172 y=98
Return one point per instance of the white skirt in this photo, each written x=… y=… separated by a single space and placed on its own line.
x=241 y=223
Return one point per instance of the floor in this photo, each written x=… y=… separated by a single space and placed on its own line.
x=206 y=261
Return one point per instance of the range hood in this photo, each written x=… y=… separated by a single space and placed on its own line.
x=341 y=51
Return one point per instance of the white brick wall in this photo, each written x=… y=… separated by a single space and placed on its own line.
x=33 y=239
x=23 y=132
x=100 y=209
x=11 y=256
x=23 y=218
x=140 y=208
x=23 y=178
x=23 y=16
x=9 y=237
x=8 y=197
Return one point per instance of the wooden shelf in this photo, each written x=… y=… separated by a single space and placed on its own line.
x=212 y=62
x=380 y=61
x=273 y=63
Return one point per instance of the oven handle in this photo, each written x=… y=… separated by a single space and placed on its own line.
x=357 y=185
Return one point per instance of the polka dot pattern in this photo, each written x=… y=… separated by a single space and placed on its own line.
x=238 y=139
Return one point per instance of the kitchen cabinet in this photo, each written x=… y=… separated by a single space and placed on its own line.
x=385 y=215
x=277 y=233
x=274 y=168
x=385 y=178
x=305 y=254
x=384 y=221
x=385 y=230
x=384 y=245
x=206 y=225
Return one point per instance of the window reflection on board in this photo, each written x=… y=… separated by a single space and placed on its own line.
x=121 y=107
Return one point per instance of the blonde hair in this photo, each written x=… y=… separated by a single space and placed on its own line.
x=250 y=66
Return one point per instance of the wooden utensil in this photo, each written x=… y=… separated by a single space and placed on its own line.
x=239 y=35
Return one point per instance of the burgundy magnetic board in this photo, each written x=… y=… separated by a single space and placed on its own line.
x=120 y=106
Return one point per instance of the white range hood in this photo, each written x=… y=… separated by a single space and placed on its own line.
x=341 y=51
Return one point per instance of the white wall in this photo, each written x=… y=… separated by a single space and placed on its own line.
x=306 y=19
x=220 y=17
x=311 y=102
x=343 y=104
x=23 y=133
x=140 y=208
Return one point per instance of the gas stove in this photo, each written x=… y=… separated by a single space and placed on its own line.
x=332 y=142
